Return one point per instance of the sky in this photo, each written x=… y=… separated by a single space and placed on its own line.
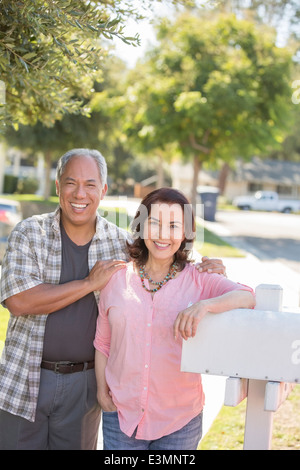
x=131 y=54
x=144 y=28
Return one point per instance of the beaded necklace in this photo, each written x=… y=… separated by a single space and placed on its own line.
x=143 y=275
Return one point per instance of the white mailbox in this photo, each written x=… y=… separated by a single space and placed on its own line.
x=251 y=344
x=259 y=350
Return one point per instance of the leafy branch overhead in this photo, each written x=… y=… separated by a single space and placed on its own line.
x=51 y=51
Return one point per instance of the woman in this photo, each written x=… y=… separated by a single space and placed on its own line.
x=146 y=310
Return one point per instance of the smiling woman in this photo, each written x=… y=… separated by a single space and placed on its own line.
x=145 y=312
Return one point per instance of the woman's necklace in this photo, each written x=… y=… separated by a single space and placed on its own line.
x=143 y=275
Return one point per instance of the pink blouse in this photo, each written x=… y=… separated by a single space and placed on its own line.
x=135 y=332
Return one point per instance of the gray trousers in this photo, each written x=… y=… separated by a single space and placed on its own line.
x=67 y=416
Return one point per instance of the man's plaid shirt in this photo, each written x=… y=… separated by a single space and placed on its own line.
x=33 y=257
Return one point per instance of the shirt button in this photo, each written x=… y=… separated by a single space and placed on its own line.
x=148 y=324
x=145 y=388
x=146 y=366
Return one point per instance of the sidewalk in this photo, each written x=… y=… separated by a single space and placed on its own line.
x=251 y=271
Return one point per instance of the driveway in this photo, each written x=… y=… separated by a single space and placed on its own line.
x=267 y=235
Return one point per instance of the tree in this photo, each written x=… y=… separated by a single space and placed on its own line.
x=52 y=51
x=284 y=16
x=271 y=12
x=49 y=53
x=217 y=86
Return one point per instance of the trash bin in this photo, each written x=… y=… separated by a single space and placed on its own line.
x=209 y=197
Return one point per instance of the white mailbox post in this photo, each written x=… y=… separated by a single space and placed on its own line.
x=259 y=350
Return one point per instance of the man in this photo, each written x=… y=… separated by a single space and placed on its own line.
x=52 y=272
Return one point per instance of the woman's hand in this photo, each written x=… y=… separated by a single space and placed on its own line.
x=106 y=402
x=104 y=395
x=187 y=320
x=211 y=266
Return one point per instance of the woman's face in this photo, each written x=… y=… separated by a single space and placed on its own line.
x=164 y=230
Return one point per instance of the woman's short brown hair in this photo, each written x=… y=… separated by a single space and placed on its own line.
x=138 y=250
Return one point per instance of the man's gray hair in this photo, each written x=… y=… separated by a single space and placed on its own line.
x=95 y=154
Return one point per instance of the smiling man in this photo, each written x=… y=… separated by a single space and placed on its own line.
x=54 y=265
x=53 y=270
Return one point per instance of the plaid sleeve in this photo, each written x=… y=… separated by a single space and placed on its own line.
x=20 y=267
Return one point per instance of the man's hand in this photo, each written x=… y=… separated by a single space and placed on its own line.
x=47 y=298
x=102 y=271
x=211 y=266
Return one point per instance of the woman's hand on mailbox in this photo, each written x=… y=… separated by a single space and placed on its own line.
x=187 y=320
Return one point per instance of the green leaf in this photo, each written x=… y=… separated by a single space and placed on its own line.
x=78 y=24
x=29 y=56
x=92 y=28
x=24 y=64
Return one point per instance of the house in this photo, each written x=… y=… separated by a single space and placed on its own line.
x=246 y=178
x=182 y=177
x=269 y=175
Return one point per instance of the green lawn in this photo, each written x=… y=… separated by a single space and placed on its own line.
x=227 y=431
x=4 y=316
x=211 y=245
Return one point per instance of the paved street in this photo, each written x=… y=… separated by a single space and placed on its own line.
x=269 y=236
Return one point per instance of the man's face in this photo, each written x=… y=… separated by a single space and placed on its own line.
x=80 y=191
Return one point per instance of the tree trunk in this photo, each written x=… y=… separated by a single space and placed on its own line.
x=48 y=165
x=160 y=172
x=2 y=166
x=197 y=164
x=223 y=177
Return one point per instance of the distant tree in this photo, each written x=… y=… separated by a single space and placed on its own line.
x=218 y=87
x=290 y=147
x=271 y=12
x=284 y=16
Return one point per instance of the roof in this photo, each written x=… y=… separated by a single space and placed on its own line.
x=268 y=171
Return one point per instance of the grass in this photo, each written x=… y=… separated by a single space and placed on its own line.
x=227 y=431
x=211 y=245
x=30 y=198
x=4 y=317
